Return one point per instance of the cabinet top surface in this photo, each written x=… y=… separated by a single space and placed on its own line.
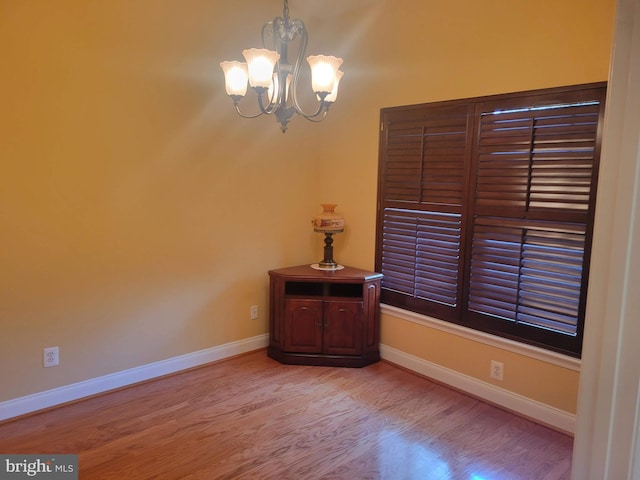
x=305 y=272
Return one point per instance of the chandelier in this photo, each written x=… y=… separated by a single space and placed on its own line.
x=275 y=80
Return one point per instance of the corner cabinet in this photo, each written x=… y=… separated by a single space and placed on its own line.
x=324 y=317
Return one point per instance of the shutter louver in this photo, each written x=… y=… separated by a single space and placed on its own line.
x=404 y=164
x=537 y=159
x=399 y=251
x=495 y=264
x=422 y=254
x=444 y=154
x=438 y=257
x=551 y=277
x=527 y=274
x=503 y=162
x=563 y=156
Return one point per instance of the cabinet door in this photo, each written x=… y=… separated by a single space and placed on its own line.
x=343 y=327
x=303 y=325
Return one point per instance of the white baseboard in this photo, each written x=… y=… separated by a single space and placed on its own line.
x=540 y=412
x=537 y=411
x=68 y=393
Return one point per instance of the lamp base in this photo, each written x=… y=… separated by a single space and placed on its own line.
x=320 y=266
x=327 y=262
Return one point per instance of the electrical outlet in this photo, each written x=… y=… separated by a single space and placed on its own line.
x=51 y=357
x=254 y=312
x=497 y=370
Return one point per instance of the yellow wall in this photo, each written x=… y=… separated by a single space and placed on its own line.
x=532 y=378
x=441 y=51
x=139 y=215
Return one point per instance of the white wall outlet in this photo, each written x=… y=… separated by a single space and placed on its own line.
x=497 y=370
x=253 y=310
x=51 y=357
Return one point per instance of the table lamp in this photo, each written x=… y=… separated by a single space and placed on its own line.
x=328 y=222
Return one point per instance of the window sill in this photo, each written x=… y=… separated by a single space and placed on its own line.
x=529 y=351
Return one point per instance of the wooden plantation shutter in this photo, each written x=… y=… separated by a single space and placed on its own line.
x=486 y=210
x=534 y=175
x=422 y=198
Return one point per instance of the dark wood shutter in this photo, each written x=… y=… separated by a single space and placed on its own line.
x=425 y=163
x=534 y=176
x=485 y=211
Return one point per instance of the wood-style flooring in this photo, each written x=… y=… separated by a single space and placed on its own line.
x=253 y=418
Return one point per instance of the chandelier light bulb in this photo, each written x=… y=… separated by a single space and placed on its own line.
x=324 y=70
x=261 y=63
x=334 y=93
x=236 y=77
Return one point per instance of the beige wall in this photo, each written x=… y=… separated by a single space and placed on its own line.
x=138 y=214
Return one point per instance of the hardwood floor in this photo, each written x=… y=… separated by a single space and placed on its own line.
x=253 y=418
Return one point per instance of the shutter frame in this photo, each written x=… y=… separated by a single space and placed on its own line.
x=542 y=185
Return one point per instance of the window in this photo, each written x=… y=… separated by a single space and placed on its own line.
x=485 y=211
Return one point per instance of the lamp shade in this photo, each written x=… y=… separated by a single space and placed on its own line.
x=324 y=70
x=236 y=77
x=328 y=221
x=260 y=63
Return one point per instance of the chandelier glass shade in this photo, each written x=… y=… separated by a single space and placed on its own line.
x=274 y=78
